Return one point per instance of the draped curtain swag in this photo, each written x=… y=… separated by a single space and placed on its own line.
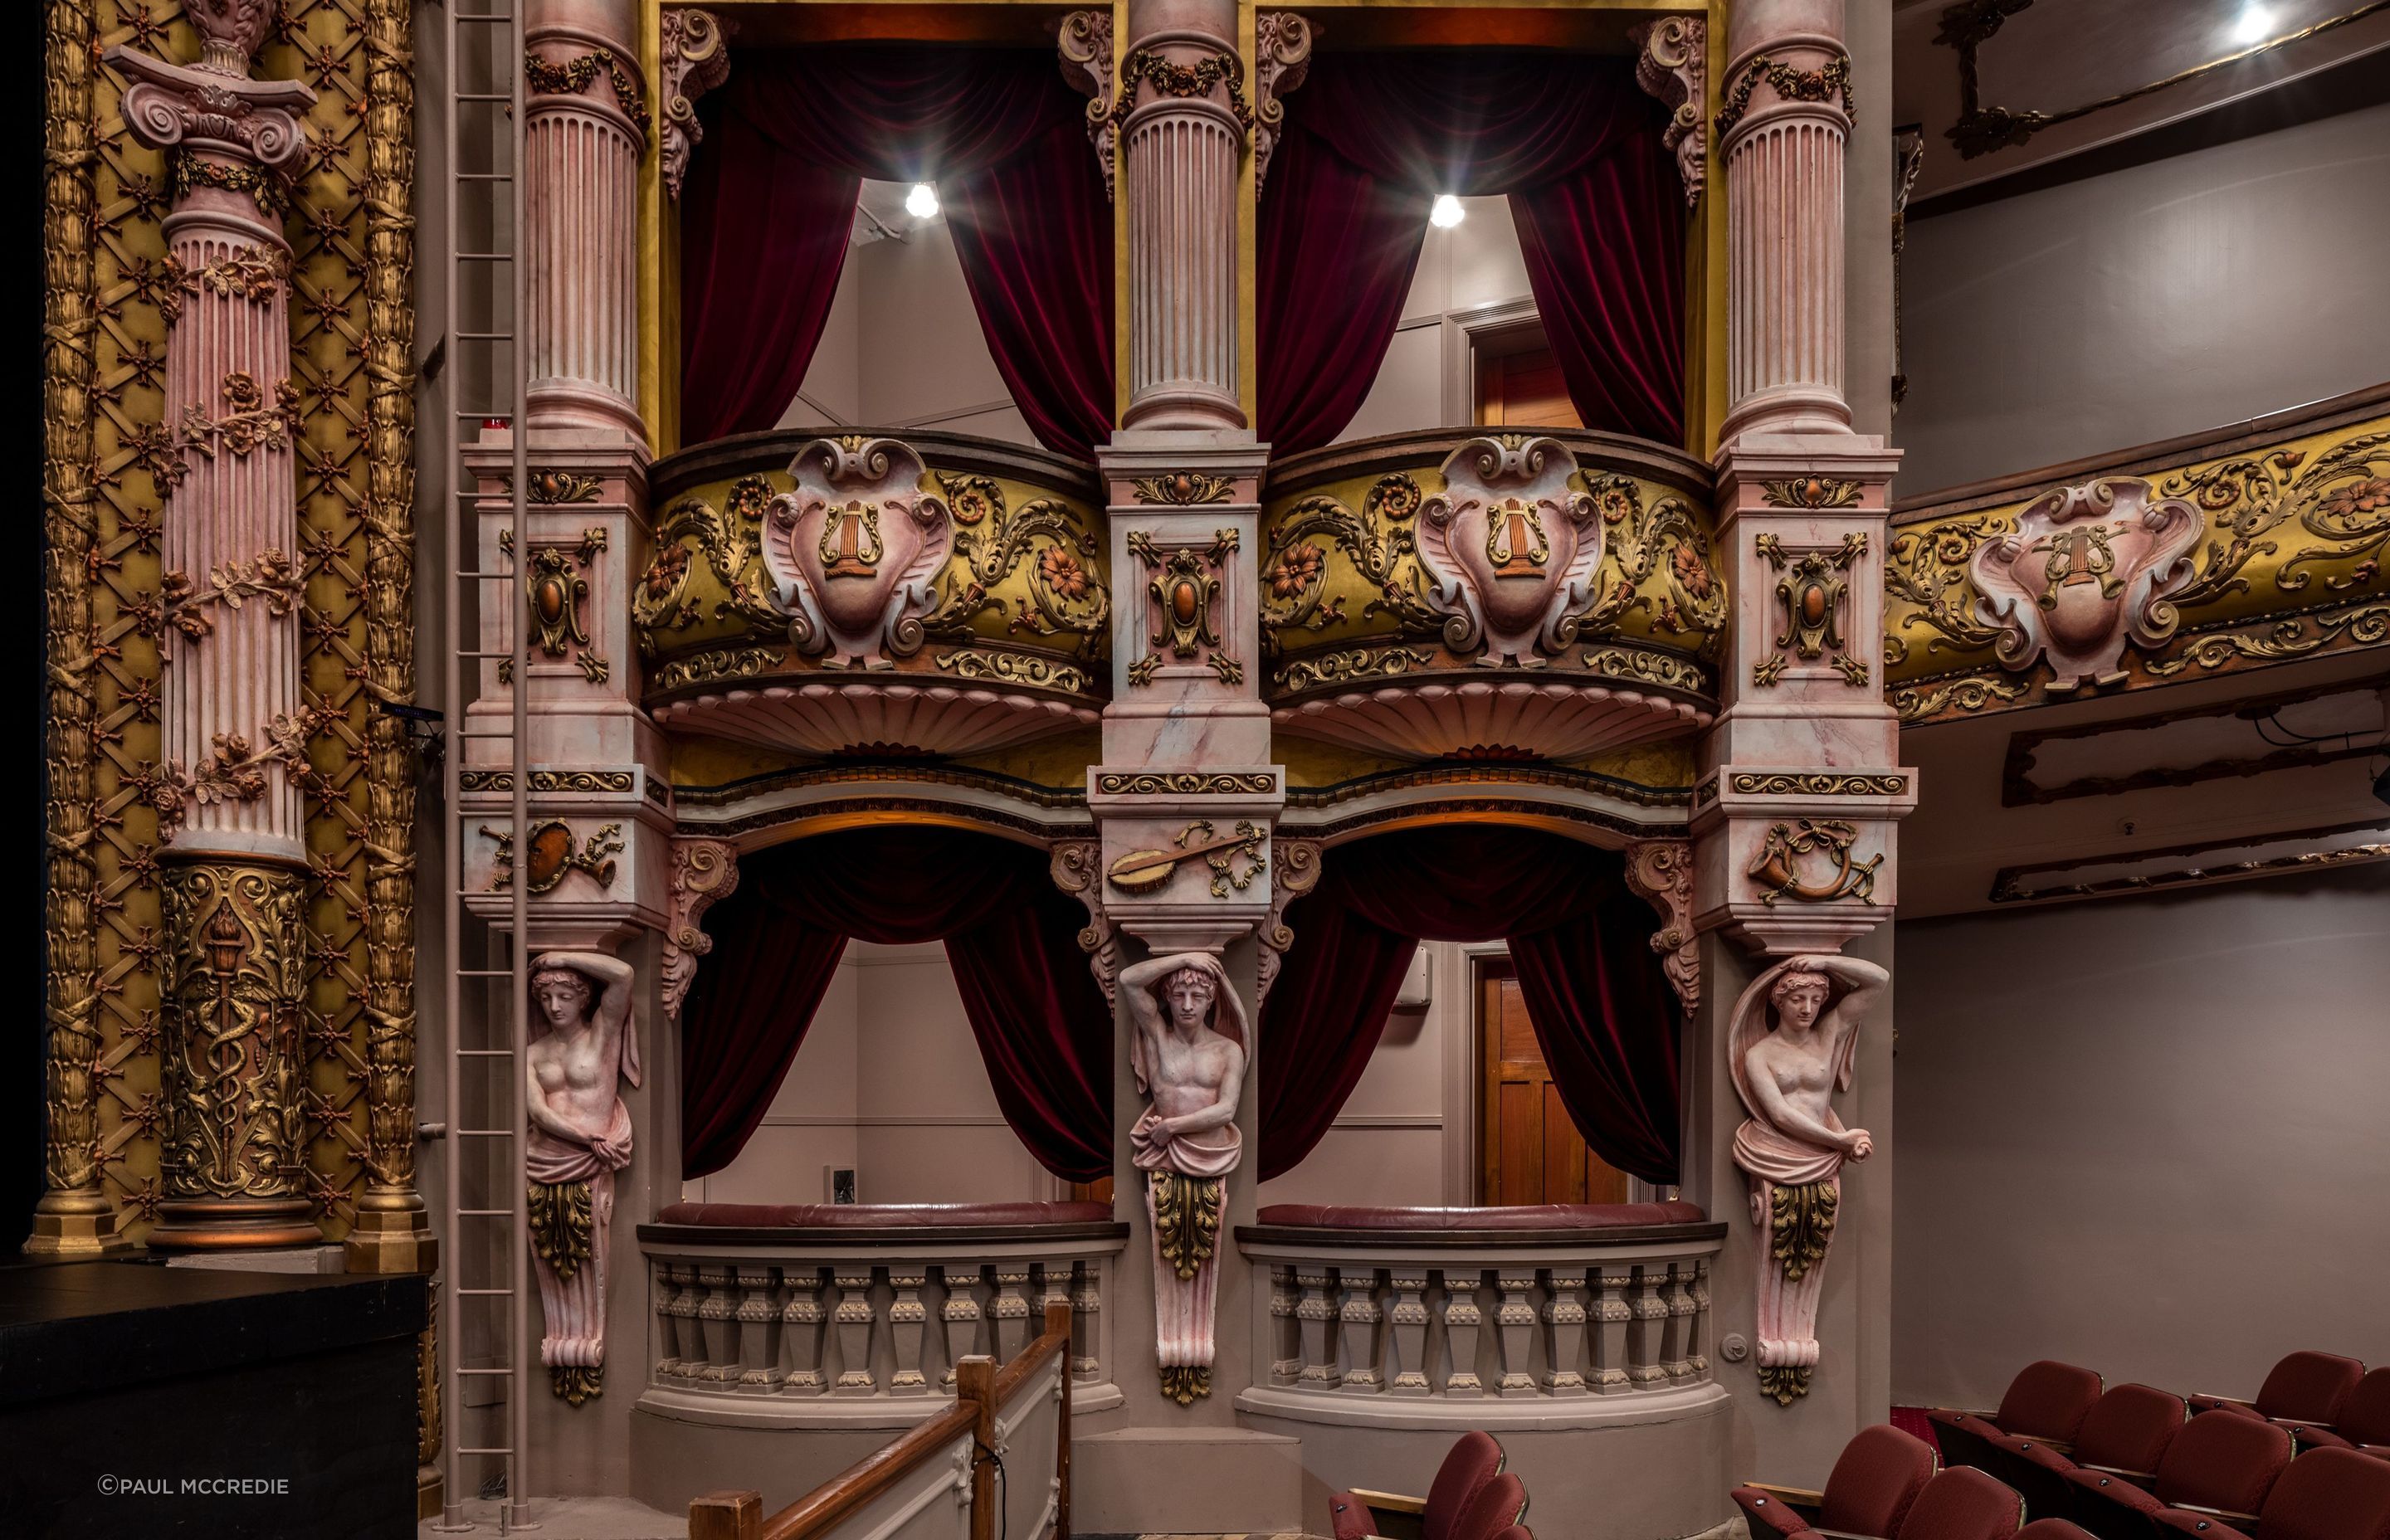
x=769 y=207
x=1043 y=1028
x=1579 y=937
x=1369 y=142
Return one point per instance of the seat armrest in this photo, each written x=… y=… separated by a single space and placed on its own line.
x=1840 y=1535
x=1390 y=1502
x=2139 y=1478
x=2224 y=1513
x=2203 y=1397
x=1791 y=1496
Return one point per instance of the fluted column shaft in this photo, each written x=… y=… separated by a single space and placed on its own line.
x=585 y=125
x=1782 y=128
x=233 y=721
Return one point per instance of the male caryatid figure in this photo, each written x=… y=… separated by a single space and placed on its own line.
x=1188 y=1056
x=1792 y=1145
x=582 y=1042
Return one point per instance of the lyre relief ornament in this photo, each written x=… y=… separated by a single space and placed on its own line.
x=2089 y=569
x=1791 y=1046
x=1189 y=1053
x=583 y=1042
x=853 y=552
x=1510 y=548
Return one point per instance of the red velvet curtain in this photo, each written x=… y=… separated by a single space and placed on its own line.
x=1580 y=938
x=1043 y=1027
x=1372 y=139
x=770 y=201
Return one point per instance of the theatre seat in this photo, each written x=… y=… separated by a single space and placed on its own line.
x=2126 y=1435
x=1474 y=1459
x=2304 y=1387
x=2047 y=1400
x=2325 y=1495
x=1962 y=1505
x=2055 y=1529
x=1498 y=1506
x=1869 y=1492
x=2363 y=1423
x=2220 y=1461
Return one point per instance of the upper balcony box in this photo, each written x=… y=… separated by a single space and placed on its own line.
x=1490 y=595
x=868 y=595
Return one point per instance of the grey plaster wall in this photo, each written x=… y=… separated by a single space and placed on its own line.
x=2161 y=299
x=2145 y=1136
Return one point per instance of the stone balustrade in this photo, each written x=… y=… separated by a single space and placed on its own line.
x=861 y=1320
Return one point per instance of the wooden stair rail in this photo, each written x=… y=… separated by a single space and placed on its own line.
x=981 y=1393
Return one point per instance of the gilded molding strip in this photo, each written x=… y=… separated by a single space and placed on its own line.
x=583 y=781
x=1816 y=784
x=1169 y=783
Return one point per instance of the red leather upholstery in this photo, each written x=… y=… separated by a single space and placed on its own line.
x=2304 y=1387
x=2048 y=1399
x=2055 y=1529
x=2364 y=1420
x=1348 y=1517
x=2328 y=1494
x=1964 y=1505
x=1495 y=1506
x=1536 y=1216
x=1516 y=1532
x=1869 y=1492
x=2220 y=1460
x=1474 y=1460
x=776 y=1216
x=2128 y=1430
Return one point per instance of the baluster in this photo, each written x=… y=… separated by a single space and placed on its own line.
x=907 y=1318
x=959 y=1319
x=690 y=1337
x=1615 y=1316
x=1564 y=1334
x=1360 y=1314
x=1680 y=1322
x=718 y=1316
x=1464 y=1327
x=801 y=1331
x=1087 y=1307
x=1318 y=1343
x=854 y=1316
x=1286 y=1331
x=1645 y=1338
x=1518 y=1318
x=759 y=1332
x=1408 y=1317
x=1011 y=1310
x=668 y=1348
x=1697 y=1331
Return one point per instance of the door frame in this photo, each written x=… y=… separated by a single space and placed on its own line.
x=1464 y=1083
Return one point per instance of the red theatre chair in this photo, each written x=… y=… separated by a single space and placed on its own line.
x=2363 y=1423
x=2055 y=1529
x=1473 y=1460
x=2304 y=1387
x=2222 y=1461
x=1964 y=1505
x=1869 y=1490
x=2326 y=1495
x=2047 y=1401
x=2126 y=1435
x=1498 y=1506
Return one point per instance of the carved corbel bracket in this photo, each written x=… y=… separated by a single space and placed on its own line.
x=1085 y=44
x=704 y=872
x=696 y=59
x=1660 y=872
x=1674 y=67
x=1282 y=58
x=1295 y=874
x=1077 y=868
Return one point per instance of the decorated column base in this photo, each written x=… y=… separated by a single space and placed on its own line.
x=1799 y=1224
x=1186 y=1212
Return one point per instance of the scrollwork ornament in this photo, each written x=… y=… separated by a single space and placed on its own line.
x=1660 y=872
x=236 y=1104
x=1674 y=67
x=1380 y=541
x=1777 y=870
x=1283 y=43
x=1076 y=866
x=1084 y=41
x=696 y=49
x=1045 y=538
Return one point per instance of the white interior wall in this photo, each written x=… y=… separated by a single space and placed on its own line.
x=1423 y=382
x=2144 y=1135
x=2161 y=299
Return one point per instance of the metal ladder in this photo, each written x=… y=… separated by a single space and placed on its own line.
x=487 y=1242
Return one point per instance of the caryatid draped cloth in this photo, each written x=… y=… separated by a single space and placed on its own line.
x=1792 y=1041
x=581 y=1041
x=1188 y=1051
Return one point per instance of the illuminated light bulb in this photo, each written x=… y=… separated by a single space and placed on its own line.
x=1446 y=212
x=2255 y=24
x=922 y=202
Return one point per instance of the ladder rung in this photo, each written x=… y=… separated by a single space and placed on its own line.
x=484 y=336
x=463 y=734
x=507 y=96
x=487 y=1053
x=490 y=655
x=484 y=1213
x=483 y=176
x=486 y=1134
x=485 y=973
x=493 y=1450
x=490 y=577
x=462 y=1369
x=476 y=1294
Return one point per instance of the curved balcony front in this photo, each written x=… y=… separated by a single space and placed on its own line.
x=1494 y=596
x=874 y=594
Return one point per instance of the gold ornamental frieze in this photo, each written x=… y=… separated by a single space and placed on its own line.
x=2265 y=549
x=1349 y=598
x=1017 y=591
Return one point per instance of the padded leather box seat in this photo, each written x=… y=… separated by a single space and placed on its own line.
x=878 y=1216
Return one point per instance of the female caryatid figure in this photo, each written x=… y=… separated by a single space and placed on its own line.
x=582 y=1042
x=1792 y=1145
x=1189 y=1056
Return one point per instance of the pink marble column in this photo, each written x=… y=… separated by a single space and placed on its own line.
x=1782 y=122
x=1184 y=121
x=233 y=721
x=585 y=125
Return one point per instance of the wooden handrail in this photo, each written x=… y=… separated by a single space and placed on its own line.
x=981 y=1393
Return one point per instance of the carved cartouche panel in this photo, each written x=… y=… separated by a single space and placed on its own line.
x=852 y=549
x=2282 y=559
x=1351 y=600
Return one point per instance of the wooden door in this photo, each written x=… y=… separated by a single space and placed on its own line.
x=1524 y=389
x=1532 y=1151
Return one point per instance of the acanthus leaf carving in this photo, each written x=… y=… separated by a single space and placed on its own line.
x=1674 y=67
x=1295 y=873
x=704 y=872
x=696 y=59
x=1085 y=44
x=1660 y=872
x=1510 y=548
x=1076 y=866
x=852 y=552
x=1283 y=43
x=2089 y=569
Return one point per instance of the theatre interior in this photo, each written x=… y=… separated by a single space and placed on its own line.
x=1528 y=770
